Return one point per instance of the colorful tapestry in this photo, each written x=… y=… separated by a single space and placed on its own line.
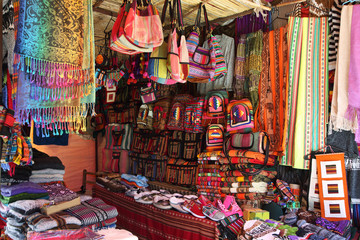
x=272 y=89
x=307 y=90
x=56 y=63
x=333 y=191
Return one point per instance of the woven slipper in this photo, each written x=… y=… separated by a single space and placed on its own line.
x=213 y=213
x=177 y=203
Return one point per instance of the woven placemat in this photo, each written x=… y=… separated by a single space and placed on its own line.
x=154 y=185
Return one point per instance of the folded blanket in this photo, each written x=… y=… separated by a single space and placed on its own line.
x=209 y=184
x=238 y=173
x=241 y=166
x=21 y=173
x=228 y=190
x=206 y=190
x=59 y=193
x=202 y=161
x=23 y=196
x=48 y=171
x=39 y=222
x=139 y=180
x=129 y=184
x=209 y=175
x=214 y=155
x=246 y=160
x=82 y=233
x=103 y=224
x=205 y=170
x=47 y=180
x=27 y=207
x=46 y=176
x=16 y=216
x=47 y=162
x=92 y=211
x=209 y=179
x=235 y=184
x=27 y=187
x=237 y=179
x=209 y=166
x=15 y=222
x=246 y=196
x=244 y=153
x=207 y=187
x=16 y=232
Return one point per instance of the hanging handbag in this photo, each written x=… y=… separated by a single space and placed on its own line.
x=178 y=56
x=157 y=66
x=202 y=61
x=256 y=141
x=148 y=94
x=118 y=41
x=143 y=27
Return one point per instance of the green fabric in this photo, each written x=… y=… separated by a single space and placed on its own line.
x=23 y=196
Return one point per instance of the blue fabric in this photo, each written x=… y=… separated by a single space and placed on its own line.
x=139 y=180
x=62 y=139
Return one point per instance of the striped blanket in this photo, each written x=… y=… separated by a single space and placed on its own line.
x=92 y=211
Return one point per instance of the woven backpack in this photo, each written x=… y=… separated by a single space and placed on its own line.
x=193 y=116
x=145 y=116
x=161 y=113
x=240 y=116
x=215 y=137
x=177 y=112
x=215 y=108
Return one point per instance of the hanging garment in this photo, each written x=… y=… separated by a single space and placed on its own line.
x=340 y=99
x=307 y=90
x=56 y=73
x=272 y=88
x=227 y=45
x=240 y=89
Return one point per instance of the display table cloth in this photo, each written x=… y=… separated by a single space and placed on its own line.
x=149 y=222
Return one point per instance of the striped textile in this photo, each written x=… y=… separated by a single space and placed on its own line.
x=149 y=222
x=272 y=90
x=245 y=160
x=92 y=211
x=240 y=76
x=118 y=136
x=307 y=99
x=39 y=222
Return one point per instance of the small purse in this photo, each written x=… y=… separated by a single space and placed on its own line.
x=148 y=94
x=251 y=141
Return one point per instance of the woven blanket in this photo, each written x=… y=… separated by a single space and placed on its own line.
x=237 y=173
x=92 y=211
x=209 y=179
x=208 y=175
x=59 y=193
x=209 y=166
x=240 y=166
x=214 y=155
x=205 y=170
x=23 y=196
x=235 y=184
x=245 y=160
x=208 y=184
x=208 y=190
x=39 y=222
x=246 y=196
x=228 y=190
x=48 y=162
x=237 y=179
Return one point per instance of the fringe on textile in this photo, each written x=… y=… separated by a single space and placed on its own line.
x=53 y=75
x=57 y=117
x=342 y=123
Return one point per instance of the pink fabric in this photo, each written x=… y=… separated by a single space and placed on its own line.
x=354 y=70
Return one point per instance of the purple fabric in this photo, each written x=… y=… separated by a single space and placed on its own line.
x=26 y=187
x=354 y=70
x=339 y=227
x=59 y=193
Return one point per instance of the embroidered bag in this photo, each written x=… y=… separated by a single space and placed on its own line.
x=165 y=91
x=202 y=61
x=215 y=108
x=214 y=137
x=161 y=113
x=193 y=116
x=177 y=112
x=240 y=116
x=178 y=56
x=184 y=145
x=118 y=136
x=148 y=94
x=252 y=141
x=151 y=166
x=157 y=68
x=181 y=172
x=145 y=116
x=143 y=28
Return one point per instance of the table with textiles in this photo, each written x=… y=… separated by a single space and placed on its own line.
x=149 y=222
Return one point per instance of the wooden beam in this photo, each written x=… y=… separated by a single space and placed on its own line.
x=98 y=3
x=105 y=11
x=289 y=3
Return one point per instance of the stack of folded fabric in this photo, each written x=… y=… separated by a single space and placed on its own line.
x=21 y=174
x=94 y=213
x=241 y=175
x=47 y=169
x=208 y=181
x=59 y=193
x=132 y=181
x=342 y=228
x=22 y=191
x=16 y=214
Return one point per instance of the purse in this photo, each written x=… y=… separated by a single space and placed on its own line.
x=157 y=66
x=252 y=141
x=202 y=61
x=143 y=28
x=178 y=56
x=148 y=94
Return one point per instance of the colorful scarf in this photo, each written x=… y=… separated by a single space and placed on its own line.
x=56 y=73
x=307 y=99
x=272 y=89
x=240 y=89
x=340 y=98
x=354 y=72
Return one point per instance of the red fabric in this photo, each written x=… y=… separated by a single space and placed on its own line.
x=149 y=222
x=9 y=90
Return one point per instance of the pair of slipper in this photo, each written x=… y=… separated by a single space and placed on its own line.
x=178 y=202
x=146 y=197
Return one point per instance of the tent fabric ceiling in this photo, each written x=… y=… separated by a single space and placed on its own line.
x=216 y=9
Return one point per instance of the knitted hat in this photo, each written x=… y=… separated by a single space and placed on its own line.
x=290 y=218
